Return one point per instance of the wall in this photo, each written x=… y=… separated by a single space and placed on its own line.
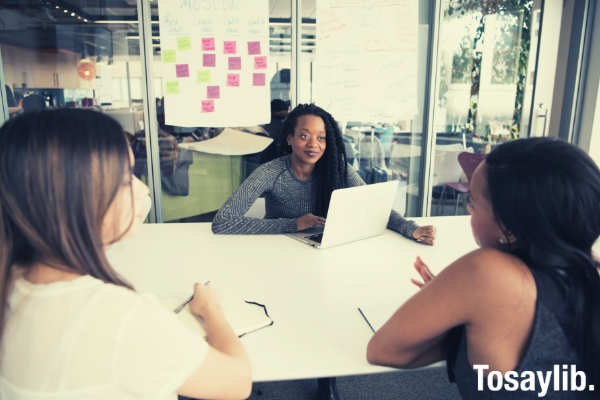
x=37 y=67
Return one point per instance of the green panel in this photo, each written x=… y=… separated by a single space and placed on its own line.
x=213 y=178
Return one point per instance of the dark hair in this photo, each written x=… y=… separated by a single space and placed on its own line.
x=331 y=171
x=34 y=102
x=59 y=172
x=546 y=194
x=279 y=105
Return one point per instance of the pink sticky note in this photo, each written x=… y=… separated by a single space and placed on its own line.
x=182 y=70
x=208 y=106
x=208 y=43
x=233 y=79
x=258 y=79
x=212 y=92
x=229 y=47
x=253 y=47
x=235 y=63
x=209 y=60
x=260 y=62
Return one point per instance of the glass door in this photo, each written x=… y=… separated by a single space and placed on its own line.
x=366 y=63
x=75 y=54
x=487 y=58
x=209 y=57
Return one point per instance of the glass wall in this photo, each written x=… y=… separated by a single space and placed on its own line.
x=486 y=64
x=196 y=182
x=76 y=54
x=83 y=53
x=372 y=57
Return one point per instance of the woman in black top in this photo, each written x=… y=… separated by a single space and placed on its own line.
x=518 y=317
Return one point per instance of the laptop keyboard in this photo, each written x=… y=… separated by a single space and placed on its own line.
x=316 y=238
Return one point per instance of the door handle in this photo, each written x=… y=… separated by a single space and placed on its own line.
x=541 y=117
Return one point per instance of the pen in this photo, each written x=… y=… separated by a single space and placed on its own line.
x=180 y=307
x=366 y=320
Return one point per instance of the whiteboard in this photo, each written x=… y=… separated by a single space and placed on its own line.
x=366 y=59
x=215 y=57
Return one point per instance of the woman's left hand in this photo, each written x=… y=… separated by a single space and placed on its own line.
x=424 y=234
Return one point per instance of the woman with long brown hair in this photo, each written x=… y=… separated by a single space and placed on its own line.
x=70 y=326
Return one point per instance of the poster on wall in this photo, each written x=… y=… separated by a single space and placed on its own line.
x=366 y=60
x=214 y=62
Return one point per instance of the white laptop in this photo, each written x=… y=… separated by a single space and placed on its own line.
x=355 y=213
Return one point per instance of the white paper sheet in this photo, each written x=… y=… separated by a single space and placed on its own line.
x=231 y=142
x=215 y=62
x=366 y=61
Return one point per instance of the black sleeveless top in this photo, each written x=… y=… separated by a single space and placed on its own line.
x=549 y=345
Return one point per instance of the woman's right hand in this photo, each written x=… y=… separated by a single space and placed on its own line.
x=308 y=221
x=205 y=301
x=425 y=273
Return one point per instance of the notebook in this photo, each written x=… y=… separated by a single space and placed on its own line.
x=244 y=316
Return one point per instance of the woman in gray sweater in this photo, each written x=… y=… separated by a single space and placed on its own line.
x=297 y=187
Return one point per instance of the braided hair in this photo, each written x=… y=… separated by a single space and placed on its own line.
x=331 y=171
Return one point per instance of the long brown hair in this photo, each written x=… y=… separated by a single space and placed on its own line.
x=59 y=172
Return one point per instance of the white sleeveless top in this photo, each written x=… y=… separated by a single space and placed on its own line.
x=85 y=339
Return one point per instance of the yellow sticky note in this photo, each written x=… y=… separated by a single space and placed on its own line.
x=203 y=76
x=172 y=87
x=184 y=43
x=169 y=56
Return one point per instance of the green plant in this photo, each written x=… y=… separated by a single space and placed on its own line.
x=521 y=9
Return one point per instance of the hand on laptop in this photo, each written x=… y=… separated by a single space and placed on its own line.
x=308 y=221
x=424 y=234
x=425 y=273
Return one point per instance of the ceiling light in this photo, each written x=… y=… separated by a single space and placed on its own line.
x=121 y=21
x=65 y=11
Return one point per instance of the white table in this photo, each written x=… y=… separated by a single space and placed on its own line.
x=311 y=294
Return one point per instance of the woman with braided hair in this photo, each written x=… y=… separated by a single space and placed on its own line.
x=297 y=186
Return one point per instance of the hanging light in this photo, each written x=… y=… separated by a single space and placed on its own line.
x=86 y=69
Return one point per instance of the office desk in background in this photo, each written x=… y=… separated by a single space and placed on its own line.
x=311 y=294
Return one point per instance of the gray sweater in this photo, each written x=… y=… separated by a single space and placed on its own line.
x=286 y=199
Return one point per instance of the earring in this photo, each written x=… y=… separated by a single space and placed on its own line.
x=502 y=240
